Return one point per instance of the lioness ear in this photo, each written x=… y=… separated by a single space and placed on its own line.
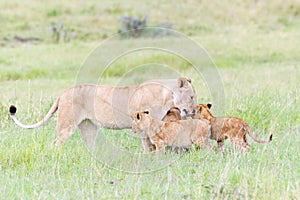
x=182 y=82
x=209 y=105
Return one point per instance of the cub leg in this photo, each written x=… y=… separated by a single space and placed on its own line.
x=160 y=149
x=89 y=132
x=148 y=146
x=203 y=142
x=221 y=146
x=200 y=138
x=159 y=144
x=246 y=145
x=239 y=141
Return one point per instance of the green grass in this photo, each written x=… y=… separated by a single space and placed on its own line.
x=255 y=48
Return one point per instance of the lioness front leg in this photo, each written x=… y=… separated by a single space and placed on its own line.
x=63 y=132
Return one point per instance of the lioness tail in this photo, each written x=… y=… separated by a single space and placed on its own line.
x=13 y=110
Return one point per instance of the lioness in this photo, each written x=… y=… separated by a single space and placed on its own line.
x=227 y=127
x=178 y=133
x=91 y=106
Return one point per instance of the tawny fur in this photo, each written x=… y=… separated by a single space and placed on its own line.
x=172 y=114
x=177 y=133
x=92 y=106
x=227 y=127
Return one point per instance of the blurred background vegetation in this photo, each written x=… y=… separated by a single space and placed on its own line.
x=94 y=20
x=235 y=34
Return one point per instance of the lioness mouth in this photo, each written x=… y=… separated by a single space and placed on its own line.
x=189 y=114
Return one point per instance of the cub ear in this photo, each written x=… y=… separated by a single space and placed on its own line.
x=169 y=111
x=209 y=105
x=199 y=107
x=138 y=116
x=189 y=80
x=182 y=82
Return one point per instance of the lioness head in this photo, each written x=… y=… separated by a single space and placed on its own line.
x=141 y=122
x=203 y=112
x=186 y=100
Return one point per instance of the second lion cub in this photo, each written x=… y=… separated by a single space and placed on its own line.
x=177 y=133
x=172 y=114
x=227 y=127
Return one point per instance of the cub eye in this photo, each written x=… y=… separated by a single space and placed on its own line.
x=192 y=97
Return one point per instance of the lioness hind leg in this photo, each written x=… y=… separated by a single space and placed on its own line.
x=89 y=132
x=63 y=133
x=66 y=123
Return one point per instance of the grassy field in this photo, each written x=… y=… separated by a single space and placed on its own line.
x=255 y=48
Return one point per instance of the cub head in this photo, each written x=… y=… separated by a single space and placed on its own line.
x=186 y=99
x=203 y=112
x=141 y=122
x=172 y=114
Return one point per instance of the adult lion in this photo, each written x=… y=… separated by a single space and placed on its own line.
x=91 y=106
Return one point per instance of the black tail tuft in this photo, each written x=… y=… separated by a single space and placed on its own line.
x=271 y=136
x=12 y=110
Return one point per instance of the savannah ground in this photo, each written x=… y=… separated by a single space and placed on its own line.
x=255 y=47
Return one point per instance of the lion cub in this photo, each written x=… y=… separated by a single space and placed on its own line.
x=227 y=127
x=172 y=114
x=177 y=133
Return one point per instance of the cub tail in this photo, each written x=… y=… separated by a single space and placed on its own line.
x=256 y=139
